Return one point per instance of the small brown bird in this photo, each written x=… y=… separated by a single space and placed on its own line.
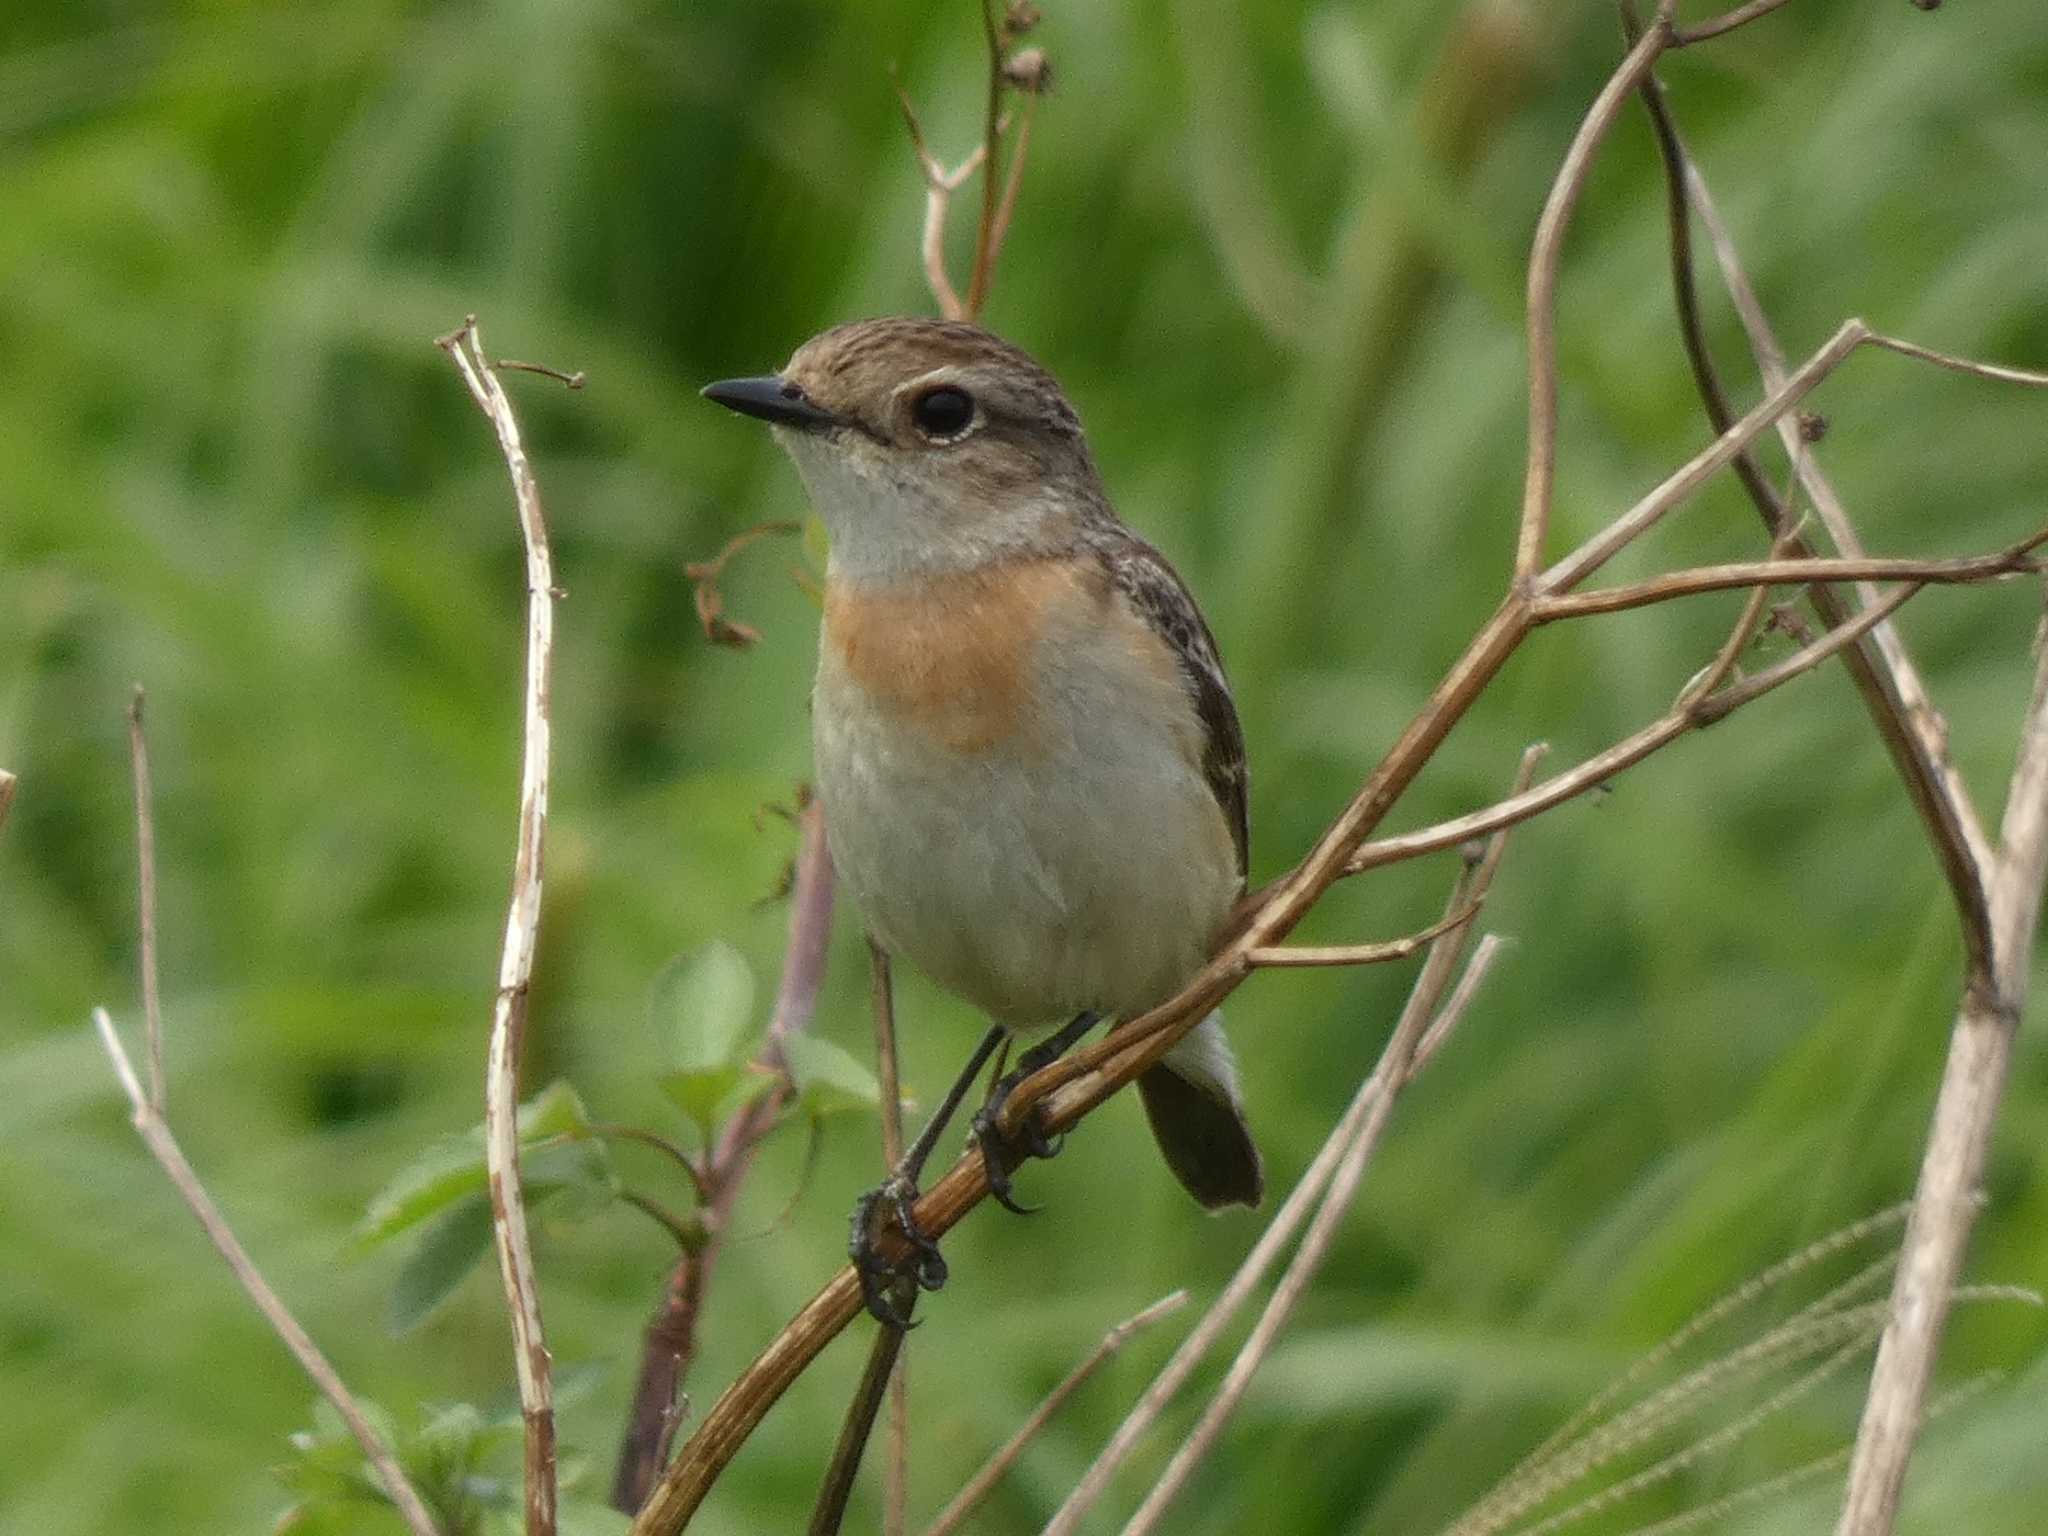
x=1031 y=768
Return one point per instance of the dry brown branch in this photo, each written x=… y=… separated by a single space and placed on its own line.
x=704 y=575
x=1884 y=675
x=670 y=1343
x=860 y=1420
x=939 y=186
x=163 y=1146
x=1540 y=480
x=991 y=166
x=1025 y=71
x=8 y=782
x=1794 y=572
x=145 y=902
x=1946 y=1199
x=515 y=965
x=1997 y=373
x=1399 y=1061
x=882 y=1000
x=1687 y=714
x=1689 y=477
x=1980 y=1044
x=1064 y=1093
x=1301 y=1202
x=979 y=1486
x=1285 y=955
x=147 y=1113
x=1727 y=21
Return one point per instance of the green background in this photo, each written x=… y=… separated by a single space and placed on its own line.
x=1274 y=254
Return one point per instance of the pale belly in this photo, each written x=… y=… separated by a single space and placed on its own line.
x=1089 y=869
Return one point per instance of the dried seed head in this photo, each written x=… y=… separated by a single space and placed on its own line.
x=1029 y=70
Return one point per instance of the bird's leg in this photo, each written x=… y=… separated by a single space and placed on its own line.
x=896 y=1195
x=1003 y=1152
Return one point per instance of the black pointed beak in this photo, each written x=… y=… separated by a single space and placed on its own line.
x=772 y=398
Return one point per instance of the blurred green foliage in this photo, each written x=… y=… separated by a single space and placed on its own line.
x=1274 y=253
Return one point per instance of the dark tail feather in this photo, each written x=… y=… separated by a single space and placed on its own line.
x=1205 y=1139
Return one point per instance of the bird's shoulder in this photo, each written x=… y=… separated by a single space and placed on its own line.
x=1144 y=581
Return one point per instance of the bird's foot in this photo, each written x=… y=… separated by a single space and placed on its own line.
x=884 y=1279
x=1004 y=1152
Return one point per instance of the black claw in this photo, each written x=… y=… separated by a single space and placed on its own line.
x=882 y=1277
x=1003 y=1152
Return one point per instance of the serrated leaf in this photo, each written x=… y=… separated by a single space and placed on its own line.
x=456 y=1242
x=827 y=1078
x=453 y=1166
x=703 y=1003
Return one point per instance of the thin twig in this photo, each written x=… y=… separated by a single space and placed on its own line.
x=1064 y=1093
x=983 y=1483
x=1285 y=955
x=145 y=881
x=939 y=186
x=1396 y=1068
x=1727 y=21
x=1415 y=1023
x=991 y=166
x=1695 y=472
x=1973 y=1083
x=163 y=1146
x=882 y=1000
x=1545 y=255
x=515 y=966
x=1470 y=980
x=687 y=1235
x=860 y=1422
x=1688 y=715
x=1998 y=373
x=566 y=379
x=1014 y=180
x=670 y=1344
x=1880 y=668
x=1793 y=572
x=610 y=1131
x=8 y=782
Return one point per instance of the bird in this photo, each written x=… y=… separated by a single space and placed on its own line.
x=1028 y=756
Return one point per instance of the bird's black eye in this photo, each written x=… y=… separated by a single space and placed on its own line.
x=943 y=412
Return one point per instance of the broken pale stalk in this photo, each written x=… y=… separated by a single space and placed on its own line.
x=163 y=1146
x=979 y=1486
x=515 y=964
x=1946 y=1199
x=145 y=883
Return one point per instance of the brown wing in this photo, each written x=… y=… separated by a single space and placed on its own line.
x=1141 y=573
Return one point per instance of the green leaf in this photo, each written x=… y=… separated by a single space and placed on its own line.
x=454 y=1244
x=453 y=1166
x=703 y=1002
x=827 y=1078
x=699 y=1094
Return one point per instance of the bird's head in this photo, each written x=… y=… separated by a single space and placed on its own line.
x=925 y=444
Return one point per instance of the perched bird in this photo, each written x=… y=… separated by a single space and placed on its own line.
x=1031 y=768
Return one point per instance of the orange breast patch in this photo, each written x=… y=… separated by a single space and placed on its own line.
x=952 y=655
